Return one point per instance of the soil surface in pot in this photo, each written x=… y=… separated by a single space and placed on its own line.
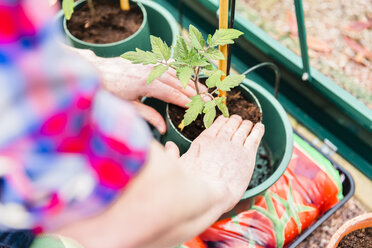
x=239 y=106
x=109 y=23
x=361 y=238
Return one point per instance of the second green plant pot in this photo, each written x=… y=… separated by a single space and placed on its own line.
x=159 y=22
x=140 y=39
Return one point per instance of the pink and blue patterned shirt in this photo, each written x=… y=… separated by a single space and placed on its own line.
x=67 y=148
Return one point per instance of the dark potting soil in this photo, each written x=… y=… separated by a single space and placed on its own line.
x=109 y=23
x=361 y=238
x=263 y=167
x=239 y=106
x=235 y=103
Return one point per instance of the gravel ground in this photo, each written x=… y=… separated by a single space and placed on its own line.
x=323 y=234
x=339 y=37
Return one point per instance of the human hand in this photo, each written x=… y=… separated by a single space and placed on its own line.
x=224 y=156
x=128 y=81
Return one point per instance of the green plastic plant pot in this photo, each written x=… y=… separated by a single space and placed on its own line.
x=162 y=24
x=278 y=136
x=140 y=39
x=183 y=143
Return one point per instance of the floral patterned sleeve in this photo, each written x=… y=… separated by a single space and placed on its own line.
x=67 y=148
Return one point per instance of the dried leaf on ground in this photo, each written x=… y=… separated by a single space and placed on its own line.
x=358 y=26
x=357 y=47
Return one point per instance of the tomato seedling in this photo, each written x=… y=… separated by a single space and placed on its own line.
x=190 y=60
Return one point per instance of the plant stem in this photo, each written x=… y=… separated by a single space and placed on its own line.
x=197 y=70
x=91 y=8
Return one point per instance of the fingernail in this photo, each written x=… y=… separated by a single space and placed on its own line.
x=237 y=117
x=222 y=117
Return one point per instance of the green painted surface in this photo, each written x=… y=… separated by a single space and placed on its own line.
x=303 y=42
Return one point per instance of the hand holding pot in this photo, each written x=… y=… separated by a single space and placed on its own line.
x=128 y=81
x=224 y=156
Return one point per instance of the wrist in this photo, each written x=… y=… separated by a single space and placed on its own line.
x=215 y=190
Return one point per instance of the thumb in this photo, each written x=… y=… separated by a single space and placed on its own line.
x=151 y=115
x=172 y=149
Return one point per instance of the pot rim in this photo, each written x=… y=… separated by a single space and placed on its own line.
x=285 y=159
x=143 y=24
x=188 y=140
x=359 y=222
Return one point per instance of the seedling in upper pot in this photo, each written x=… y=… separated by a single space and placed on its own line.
x=68 y=7
x=190 y=59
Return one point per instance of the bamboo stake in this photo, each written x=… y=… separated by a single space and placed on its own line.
x=124 y=5
x=223 y=22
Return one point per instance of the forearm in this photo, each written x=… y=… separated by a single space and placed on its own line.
x=162 y=206
x=185 y=230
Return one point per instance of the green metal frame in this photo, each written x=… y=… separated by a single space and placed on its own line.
x=303 y=43
x=320 y=104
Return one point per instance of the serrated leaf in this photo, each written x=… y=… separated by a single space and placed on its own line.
x=220 y=101
x=180 y=50
x=210 y=67
x=160 y=48
x=184 y=74
x=68 y=8
x=214 y=79
x=196 y=37
x=208 y=70
x=140 y=57
x=212 y=53
x=156 y=72
x=230 y=82
x=224 y=36
x=194 y=59
x=178 y=64
x=195 y=108
x=209 y=113
x=200 y=63
x=207 y=73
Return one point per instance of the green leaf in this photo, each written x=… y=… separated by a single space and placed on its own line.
x=180 y=50
x=156 y=72
x=178 y=64
x=196 y=38
x=210 y=67
x=209 y=113
x=195 y=108
x=68 y=8
x=160 y=48
x=222 y=106
x=184 y=74
x=209 y=38
x=224 y=36
x=214 y=79
x=230 y=82
x=140 y=57
x=208 y=70
x=212 y=53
